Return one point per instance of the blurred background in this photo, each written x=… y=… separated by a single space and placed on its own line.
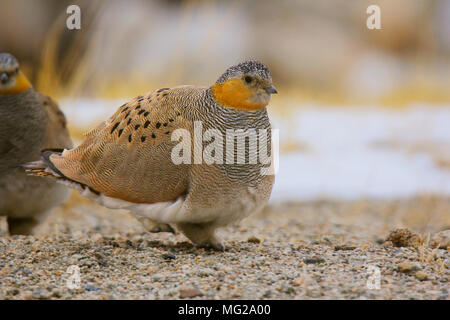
x=362 y=113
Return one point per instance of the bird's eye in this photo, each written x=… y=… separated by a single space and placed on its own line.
x=248 y=79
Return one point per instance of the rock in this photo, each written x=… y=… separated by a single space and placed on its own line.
x=101 y=259
x=344 y=247
x=97 y=237
x=420 y=275
x=287 y=289
x=13 y=292
x=441 y=240
x=190 y=293
x=157 y=278
x=388 y=244
x=253 y=239
x=267 y=294
x=91 y=288
x=205 y=272
x=77 y=257
x=313 y=260
x=403 y=238
x=40 y=294
x=127 y=244
x=407 y=267
x=56 y=293
x=24 y=271
x=169 y=256
x=404 y=267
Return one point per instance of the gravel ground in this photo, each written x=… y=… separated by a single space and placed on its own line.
x=314 y=250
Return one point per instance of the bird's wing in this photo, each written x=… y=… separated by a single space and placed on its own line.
x=129 y=155
x=56 y=135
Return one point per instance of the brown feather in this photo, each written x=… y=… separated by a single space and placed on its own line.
x=128 y=156
x=56 y=122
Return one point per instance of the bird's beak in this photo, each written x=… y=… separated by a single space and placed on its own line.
x=4 y=77
x=271 y=90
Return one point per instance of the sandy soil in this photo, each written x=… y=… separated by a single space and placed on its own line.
x=314 y=250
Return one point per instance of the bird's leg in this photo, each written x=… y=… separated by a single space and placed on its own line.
x=3 y=226
x=202 y=235
x=22 y=226
x=155 y=227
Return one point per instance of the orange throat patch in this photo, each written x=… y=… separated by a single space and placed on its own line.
x=234 y=93
x=21 y=85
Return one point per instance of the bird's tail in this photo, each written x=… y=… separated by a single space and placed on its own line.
x=44 y=167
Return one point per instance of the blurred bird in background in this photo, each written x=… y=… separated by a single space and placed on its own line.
x=30 y=122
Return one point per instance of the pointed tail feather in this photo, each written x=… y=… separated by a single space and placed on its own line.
x=46 y=168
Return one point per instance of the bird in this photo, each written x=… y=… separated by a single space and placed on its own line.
x=127 y=161
x=30 y=122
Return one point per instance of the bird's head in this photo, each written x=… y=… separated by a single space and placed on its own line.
x=12 y=80
x=245 y=86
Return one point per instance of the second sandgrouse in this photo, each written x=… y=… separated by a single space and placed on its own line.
x=30 y=122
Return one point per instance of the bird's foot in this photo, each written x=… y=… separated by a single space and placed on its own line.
x=155 y=227
x=162 y=228
x=202 y=235
x=21 y=226
x=212 y=245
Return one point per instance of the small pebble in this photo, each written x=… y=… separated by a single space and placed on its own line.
x=169 y=256
x=403 y=238
x=253 y=239
x=313 y=260
x=25 y=271
x=190 y=293
x=14 y=292
x=56 y=293
x=40 y=294
x=344 y=247
x=441 y=240
x=97 y=237
x=407 y=267
x=91 y=288
x=420 y=275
